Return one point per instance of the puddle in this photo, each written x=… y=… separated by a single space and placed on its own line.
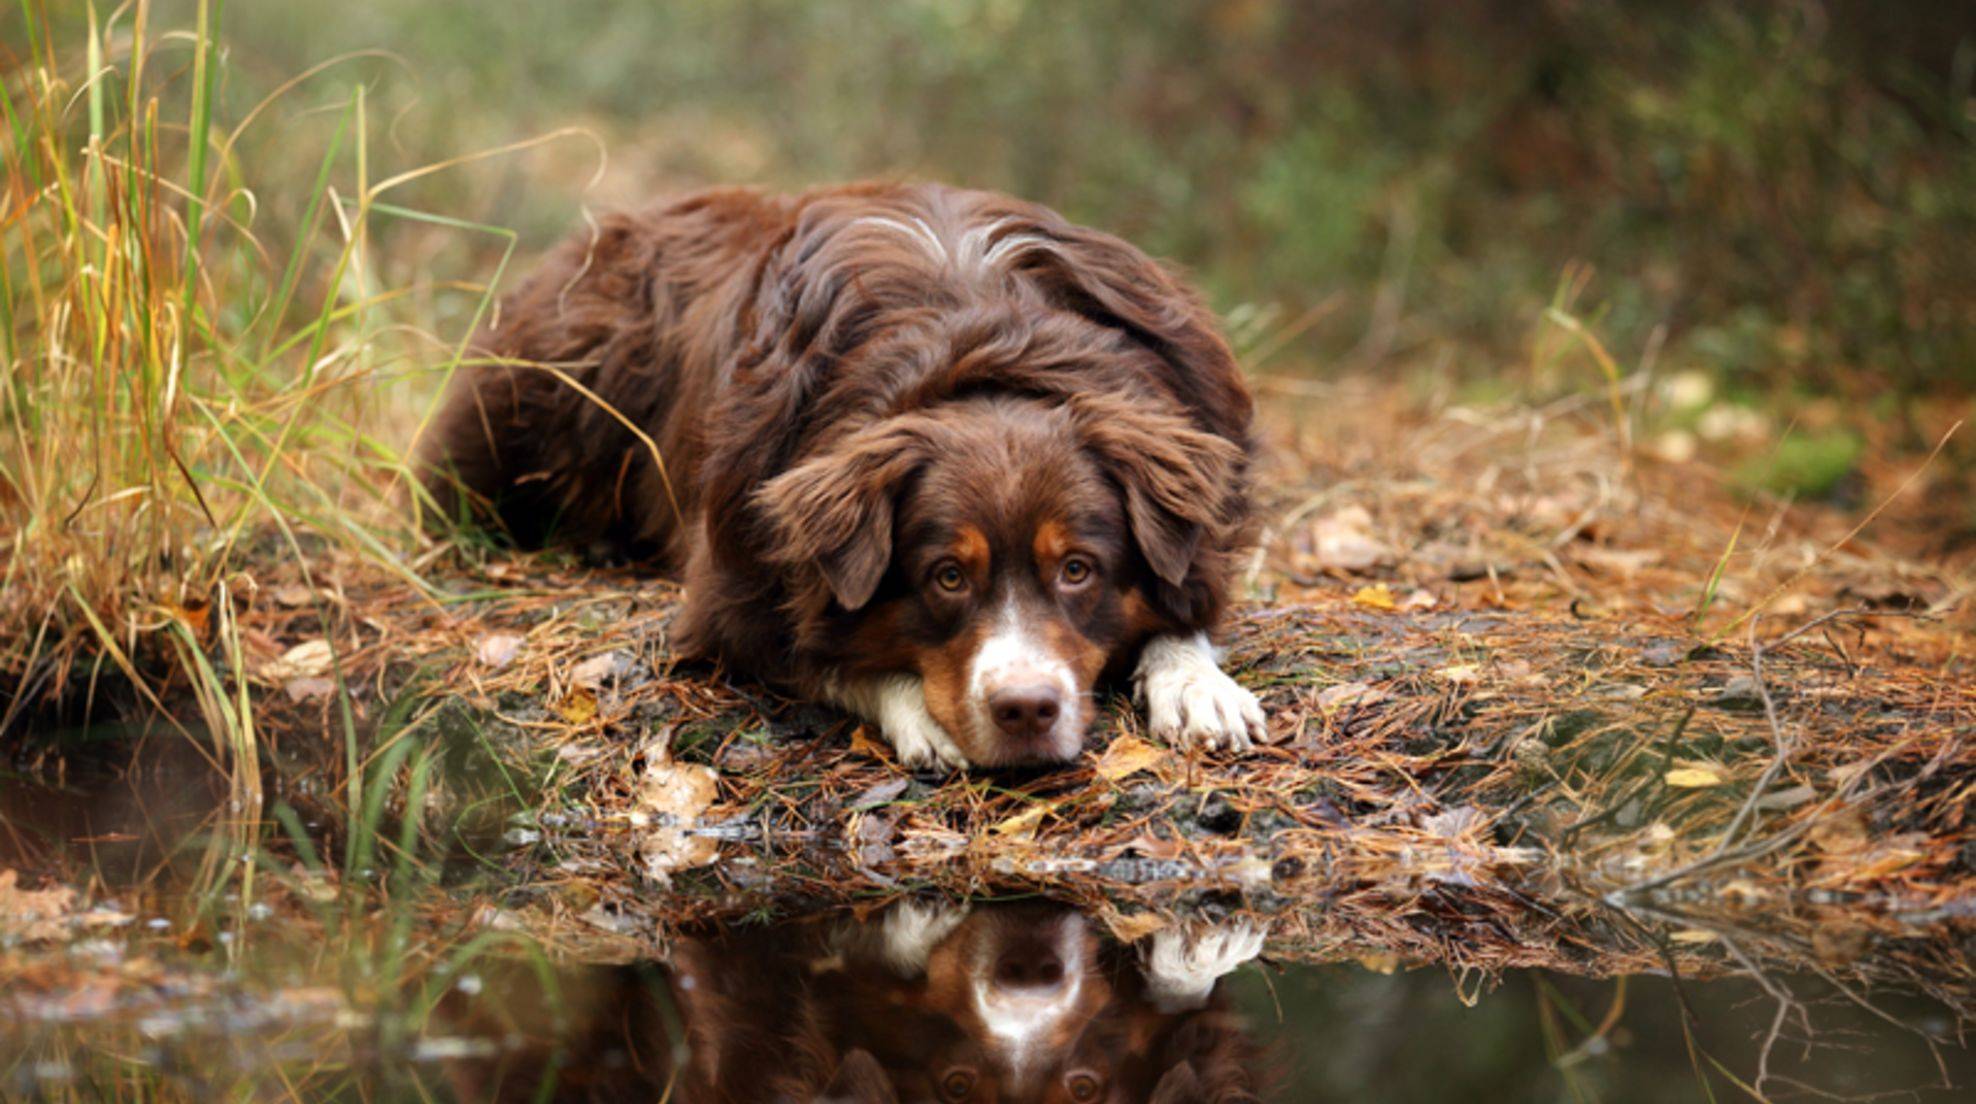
x=990 y=1001
x=135 y=962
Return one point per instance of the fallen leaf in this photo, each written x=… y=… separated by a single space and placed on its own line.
x=1333 y=698
x=1622 y=562
x=300 y=690
x=863 y=744
x=681 y=791
x=579 y=708
x=497 y=650
x=881 y=793
x=1378 y=596
x=1693 y=936
x=293 y=595
x=578 y=752
x=1126 y=756
x=1023 y=825
x=304 y=660
x=1343 y=541
x=1691 y=778
x=1461 y=674
x=1420 y=601
x=671 y=799
x=592 y=672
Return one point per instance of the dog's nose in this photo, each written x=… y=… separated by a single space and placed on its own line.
x=1025 y=711
x=1029 y=971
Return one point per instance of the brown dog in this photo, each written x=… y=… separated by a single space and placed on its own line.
x=936 y=455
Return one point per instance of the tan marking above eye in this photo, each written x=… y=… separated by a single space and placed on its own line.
x=970 y=549
x=1051 y=544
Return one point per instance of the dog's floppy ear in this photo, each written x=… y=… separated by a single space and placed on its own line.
x=1111 y=282
x=1176 y=478
x=834 y=509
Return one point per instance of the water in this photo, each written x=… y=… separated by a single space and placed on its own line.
x=169 y=975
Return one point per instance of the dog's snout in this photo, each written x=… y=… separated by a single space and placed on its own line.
x=1027 y=710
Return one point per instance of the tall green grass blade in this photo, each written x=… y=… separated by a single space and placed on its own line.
x=200 y=126
x=1715 y=577
x=285 y=290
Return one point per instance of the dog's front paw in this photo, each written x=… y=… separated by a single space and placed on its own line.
x=1181 y=968
x=921 y=743
x=1190 y=701
x=897 y=704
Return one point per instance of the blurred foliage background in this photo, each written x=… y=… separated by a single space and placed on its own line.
x=249 y=236
x=1789 y=189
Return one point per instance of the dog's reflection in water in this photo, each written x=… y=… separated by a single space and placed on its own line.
x=941 y=1004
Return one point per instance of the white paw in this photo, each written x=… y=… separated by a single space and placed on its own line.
x=911 y=930
x=897 y=704
x=1182 y=968
x=920 y=741
x=1190 y=701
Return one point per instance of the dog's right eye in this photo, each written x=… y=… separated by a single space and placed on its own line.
x=950 y=578
x=957 y=1084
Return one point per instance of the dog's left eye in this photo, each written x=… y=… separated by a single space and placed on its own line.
x=1075 y=571
x=949 y=577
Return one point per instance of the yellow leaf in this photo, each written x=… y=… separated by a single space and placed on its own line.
x=1692 y=778
x=863 y=744
x=579 y=708
x=1126 y=756
x=1693 y=935
x=1461 y=674
x=1378 y=596
x=1023 y=825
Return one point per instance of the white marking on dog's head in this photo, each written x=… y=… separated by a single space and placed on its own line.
x=917 y=231
x=976 y=250
x=1012 y=655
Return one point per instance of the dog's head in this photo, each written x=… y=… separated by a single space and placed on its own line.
x=1006 y=550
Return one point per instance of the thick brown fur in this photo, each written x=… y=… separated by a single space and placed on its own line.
x=792 y=364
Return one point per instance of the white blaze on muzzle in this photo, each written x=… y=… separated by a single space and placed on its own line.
x=1014 y=655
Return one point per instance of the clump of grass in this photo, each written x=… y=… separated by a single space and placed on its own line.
x=182 y=376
